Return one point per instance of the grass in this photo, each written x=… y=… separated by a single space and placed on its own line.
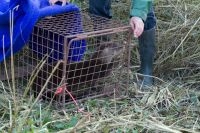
x=173 y=105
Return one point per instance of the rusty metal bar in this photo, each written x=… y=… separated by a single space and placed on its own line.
x=89 y=81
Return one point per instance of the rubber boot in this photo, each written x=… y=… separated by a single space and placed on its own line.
x=100 y=8
x=147 y=52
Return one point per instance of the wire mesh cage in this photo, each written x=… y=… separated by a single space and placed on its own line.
x=75 y=55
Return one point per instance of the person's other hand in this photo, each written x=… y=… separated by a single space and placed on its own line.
x=64 y=2
x=137 y=26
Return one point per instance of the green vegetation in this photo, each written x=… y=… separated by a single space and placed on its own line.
x=173 y=106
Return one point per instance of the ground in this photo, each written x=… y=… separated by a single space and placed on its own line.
x=173 y=105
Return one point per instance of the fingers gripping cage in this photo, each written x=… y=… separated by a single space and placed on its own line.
x=76 y=55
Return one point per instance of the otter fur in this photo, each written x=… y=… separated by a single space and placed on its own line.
x=78 y=74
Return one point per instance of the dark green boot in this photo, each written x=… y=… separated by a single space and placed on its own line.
x=101 y=8
x=147 y=52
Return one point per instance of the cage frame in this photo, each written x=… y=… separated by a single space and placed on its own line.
x=85 y=35
x=80 y=36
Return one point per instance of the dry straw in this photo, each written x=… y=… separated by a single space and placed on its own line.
x=171 y=106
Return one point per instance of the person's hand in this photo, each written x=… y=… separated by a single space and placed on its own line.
x=137 y=26
x=64 y=2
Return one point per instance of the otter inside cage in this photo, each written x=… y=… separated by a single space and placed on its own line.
x=75 y=55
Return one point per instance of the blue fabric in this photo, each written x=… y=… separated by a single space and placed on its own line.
x=25 y=15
